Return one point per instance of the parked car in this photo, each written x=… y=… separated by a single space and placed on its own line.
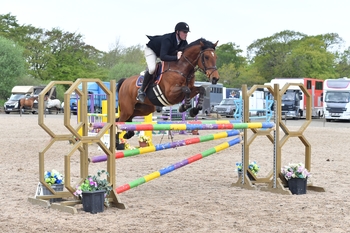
x=172 y=112
x=12 y=104
x=227 y=107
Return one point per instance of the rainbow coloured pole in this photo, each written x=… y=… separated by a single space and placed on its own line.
x=169 y=145
x=211 y=122
x=145 y=127
x=175 y=166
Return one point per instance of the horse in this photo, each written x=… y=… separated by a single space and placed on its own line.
x=26 y=102
x=175 y=85
x=53 y=104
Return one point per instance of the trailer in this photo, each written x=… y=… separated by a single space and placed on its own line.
x=336 y=99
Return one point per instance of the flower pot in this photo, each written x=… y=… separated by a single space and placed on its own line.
x=93 y=201
x=143 y=144
x=195 y=132
x=56 y=187
x=297 y=185
x=120 y=146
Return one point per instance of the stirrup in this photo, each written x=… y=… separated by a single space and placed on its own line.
x=141 y=97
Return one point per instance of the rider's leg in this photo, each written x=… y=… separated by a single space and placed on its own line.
x=141 y=92
x=151 y=58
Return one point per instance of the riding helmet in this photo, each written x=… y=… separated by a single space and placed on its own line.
x=182 y=26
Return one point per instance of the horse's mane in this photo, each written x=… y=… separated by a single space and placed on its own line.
x=206 y=44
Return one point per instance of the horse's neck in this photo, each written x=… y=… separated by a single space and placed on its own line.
x=190 y=57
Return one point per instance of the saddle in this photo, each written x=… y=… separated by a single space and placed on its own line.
x=156 y=78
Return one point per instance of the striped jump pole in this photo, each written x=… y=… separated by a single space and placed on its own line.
x=169 y=145
x=200 y=122
x=145 y=127
x=101 y=124
x=175 y=166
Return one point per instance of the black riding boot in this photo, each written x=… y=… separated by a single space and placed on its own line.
x=141 y=95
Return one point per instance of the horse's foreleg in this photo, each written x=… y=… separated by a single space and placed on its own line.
x=199 y=106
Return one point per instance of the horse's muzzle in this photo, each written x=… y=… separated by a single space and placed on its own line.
x=214 y=80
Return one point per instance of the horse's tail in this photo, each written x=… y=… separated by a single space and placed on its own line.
x=119 y=83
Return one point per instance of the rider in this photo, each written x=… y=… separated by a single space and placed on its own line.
x=166 y=47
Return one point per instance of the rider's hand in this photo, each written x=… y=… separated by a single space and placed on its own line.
x=179 y=54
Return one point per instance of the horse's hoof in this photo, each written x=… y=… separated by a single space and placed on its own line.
x=194 y=112
x=129 y=135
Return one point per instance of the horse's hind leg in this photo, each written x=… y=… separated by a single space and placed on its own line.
x=187 y=103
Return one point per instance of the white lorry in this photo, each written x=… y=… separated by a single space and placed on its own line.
x=336 y=99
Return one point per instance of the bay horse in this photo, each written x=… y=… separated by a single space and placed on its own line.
x=26 y=102
x=176 y=84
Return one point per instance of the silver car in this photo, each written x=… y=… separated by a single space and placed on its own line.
x=227 y=107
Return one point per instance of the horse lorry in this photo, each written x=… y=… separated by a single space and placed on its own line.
x=336 y=99
x=17 y=93
x=95 y=97
x=294 y=101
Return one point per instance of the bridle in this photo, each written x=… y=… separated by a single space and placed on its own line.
x=201 y=56
x=195 y=67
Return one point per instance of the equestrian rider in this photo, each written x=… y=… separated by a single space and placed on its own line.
x=166 y=47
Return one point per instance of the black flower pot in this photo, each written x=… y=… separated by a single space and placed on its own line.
x=121 y=146
x=93 y=201
x=297 y=185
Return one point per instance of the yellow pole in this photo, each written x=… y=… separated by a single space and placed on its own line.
x=148 y=133
x=80 y=131
x=104 y=110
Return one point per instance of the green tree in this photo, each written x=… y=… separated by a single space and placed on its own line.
x=229 y=54
x=342 y=66
x=125 y=70
x=309 y=58
x=71 y=57
x=12 y=65
x=294 y=54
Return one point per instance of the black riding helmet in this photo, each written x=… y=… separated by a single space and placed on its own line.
x=182 y=26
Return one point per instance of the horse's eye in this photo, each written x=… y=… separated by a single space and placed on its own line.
x=206 y=57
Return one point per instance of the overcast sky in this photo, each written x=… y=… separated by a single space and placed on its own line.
x=104 y=22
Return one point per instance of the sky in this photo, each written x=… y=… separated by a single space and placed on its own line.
x=106 y=23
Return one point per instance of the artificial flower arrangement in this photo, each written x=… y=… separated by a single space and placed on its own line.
x=144 y=138
x=53 y=177
x=295 y=170
x=94 y=183
x=126 y=144
x=253 y=167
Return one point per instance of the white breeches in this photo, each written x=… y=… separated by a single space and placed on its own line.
x=151 y=59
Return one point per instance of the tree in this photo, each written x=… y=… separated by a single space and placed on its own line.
x=229 y=53
x=125 y=70
x=342 y=66
x=12 y=66
x=70 y=57
x=294 y=54
x=309 y=58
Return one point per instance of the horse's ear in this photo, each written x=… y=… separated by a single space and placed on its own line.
x=201 y=43
x=216 y=44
